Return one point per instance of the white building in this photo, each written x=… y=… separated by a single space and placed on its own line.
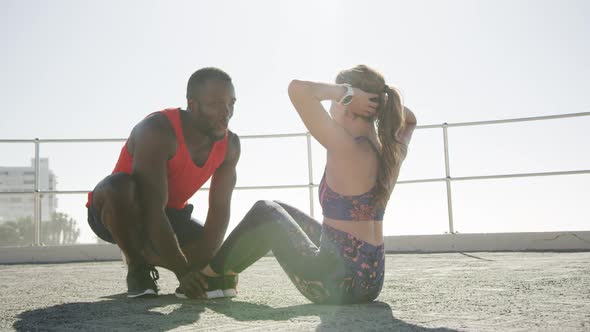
x=19 y=179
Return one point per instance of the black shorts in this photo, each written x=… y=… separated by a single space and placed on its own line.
x=186 y=228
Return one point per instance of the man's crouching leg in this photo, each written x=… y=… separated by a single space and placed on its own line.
x=116 y=201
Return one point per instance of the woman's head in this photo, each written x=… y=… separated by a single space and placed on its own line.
x=389 y=121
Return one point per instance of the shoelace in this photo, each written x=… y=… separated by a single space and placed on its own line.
x=154 y=275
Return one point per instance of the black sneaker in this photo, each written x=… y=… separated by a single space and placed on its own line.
x=217 y=287
x=141 y=281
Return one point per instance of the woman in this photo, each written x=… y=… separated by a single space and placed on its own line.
x=366 y=135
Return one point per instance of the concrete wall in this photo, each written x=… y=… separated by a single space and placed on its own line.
x=547 y=241
x=543 y=241
x=58 y=254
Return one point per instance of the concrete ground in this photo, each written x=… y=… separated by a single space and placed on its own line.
x=422 y=292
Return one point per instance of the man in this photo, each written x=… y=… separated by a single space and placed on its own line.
x=142 y=206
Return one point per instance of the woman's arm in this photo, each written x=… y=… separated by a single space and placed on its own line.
x=410 y=117
x=410 y=124
x=307 y=97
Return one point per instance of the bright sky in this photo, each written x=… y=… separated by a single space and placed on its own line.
x=92 y=69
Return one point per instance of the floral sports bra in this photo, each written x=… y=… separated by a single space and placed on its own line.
x=350 y=208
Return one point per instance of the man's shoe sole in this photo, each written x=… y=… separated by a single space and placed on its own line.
x=145 y=294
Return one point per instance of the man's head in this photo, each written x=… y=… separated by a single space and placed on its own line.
x=211 y=97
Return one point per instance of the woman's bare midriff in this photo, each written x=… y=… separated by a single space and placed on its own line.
x=368 y=231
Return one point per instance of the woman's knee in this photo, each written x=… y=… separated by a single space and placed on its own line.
x=265 y=206
x=265 y=212
x=293 y=211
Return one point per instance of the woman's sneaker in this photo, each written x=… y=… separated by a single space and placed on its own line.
x=213 y=294
x=141 y=281
x=230 y=284
x=218 y=287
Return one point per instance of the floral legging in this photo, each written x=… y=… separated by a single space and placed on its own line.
x=325 y=264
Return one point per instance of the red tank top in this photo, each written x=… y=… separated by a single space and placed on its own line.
x=184 y=177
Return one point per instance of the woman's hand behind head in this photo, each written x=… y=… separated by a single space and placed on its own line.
x=363 y=103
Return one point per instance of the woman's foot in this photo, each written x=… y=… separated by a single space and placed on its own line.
x=208 y=271
x=217 y=287
x=230 y=284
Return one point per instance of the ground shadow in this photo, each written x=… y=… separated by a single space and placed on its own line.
x=115 y=313
x=167 y=312
x=376 y=316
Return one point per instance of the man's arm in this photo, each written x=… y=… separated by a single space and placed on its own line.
x=152 y=144
x=199 y=253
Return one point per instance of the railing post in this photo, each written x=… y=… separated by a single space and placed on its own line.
x=310 y=173
x=37 y=199
x=448 y=179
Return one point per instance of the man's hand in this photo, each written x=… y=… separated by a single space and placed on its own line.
x=193 y=284
x=362 y=103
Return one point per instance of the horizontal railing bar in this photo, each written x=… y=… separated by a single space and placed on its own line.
x=102 y=140
x=17 y=141
x=294 y=186
x=421 y=180
x=312 y=185
x=17 y=192
x=64 y=192
x=533 y=118
x=518 y=175
x=496 y=176
x=431 y=126
x=274 y=135
x=288 y=186
x=81 y=140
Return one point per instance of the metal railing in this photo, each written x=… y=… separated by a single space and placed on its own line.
x=448 y=179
